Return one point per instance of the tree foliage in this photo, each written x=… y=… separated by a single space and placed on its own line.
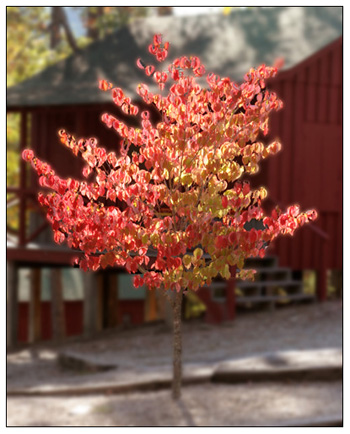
x=28 y=43
x=180 y=190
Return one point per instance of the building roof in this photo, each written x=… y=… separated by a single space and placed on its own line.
x=227 y=45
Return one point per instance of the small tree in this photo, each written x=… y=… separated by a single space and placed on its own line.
x=179 y=188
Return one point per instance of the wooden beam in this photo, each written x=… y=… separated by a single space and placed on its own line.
x=57 y=305
x=42 y=256
x=34 y=306
x=12 y=304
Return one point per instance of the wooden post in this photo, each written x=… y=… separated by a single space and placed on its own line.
x=177 y=346
x=112 y=300
x=322 y=275
x=57 y=306
x=12 y=304
x=151 y=310
x=34 y=306
x=90 y=303
x=23 y=168
x=101 y=301
x=231 y=296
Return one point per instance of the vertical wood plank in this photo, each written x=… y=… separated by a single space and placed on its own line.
x=151 y=310
x=34 y=306
x=231 y=295
x=102 y=301
x=334 y=103
x=112 y=300
x=298 y=184
x=288 y=145
x=12 y=304
x=339 y=242
x=322 y=273
x=275 y=132
x=57 y=305
x=90 y=303
x=337 y=65
x=323 y=90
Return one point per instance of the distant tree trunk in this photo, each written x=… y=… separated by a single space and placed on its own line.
x=55 y=35
x=58 y=19
x=177 y=347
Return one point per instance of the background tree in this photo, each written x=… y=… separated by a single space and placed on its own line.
x=181 y=201
x=28 y=52
x=102 y=20
x=38 y=37
x=59 y=20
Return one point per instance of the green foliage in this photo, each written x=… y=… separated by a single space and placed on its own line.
x=102 y=20
x=28 y=53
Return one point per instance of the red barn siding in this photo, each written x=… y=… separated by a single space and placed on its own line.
x=308 y=170
x=130 y=310
x=73 y=316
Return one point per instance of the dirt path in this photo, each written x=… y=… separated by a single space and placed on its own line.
x=136 y=350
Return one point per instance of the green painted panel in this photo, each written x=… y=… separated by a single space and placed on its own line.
x=127 y=291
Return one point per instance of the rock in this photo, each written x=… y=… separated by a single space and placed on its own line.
x=82 y=363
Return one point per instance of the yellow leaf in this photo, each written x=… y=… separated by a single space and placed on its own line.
x=198 y=253
x=187 y=261
x=186 y=179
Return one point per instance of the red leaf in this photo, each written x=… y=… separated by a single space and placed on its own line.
x=149 y=70
x=105 y=85
x=224 y=201
x=140 y=64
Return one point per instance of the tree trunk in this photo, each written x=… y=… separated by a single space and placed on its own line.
x=177 y=347
x=58 y=19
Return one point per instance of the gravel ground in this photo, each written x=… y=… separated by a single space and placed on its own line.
x=203 y=405
x=135 y=351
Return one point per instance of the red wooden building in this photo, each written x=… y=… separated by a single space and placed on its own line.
x=308 y=170
x=309 y=167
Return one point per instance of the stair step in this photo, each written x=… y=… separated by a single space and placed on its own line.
x=267 y=261
x=242 y=284
x=273 y=273
x=216 y=285
x=222 y=300
x=263 y=270
x=262 y=298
